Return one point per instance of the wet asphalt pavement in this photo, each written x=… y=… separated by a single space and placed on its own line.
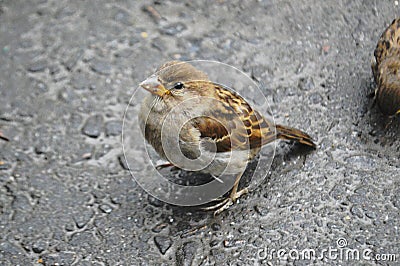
x=67 y=71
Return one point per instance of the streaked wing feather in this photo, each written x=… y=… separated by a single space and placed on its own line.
x=233 y=124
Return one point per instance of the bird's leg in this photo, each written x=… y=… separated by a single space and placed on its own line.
x=234 y=193
x=391 y=118
x=389 y=123
x=233 y=196
x=164 y=165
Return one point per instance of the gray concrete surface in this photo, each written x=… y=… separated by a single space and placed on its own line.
x=67 y=70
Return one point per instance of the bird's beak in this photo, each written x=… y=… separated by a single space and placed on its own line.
x=154 y=86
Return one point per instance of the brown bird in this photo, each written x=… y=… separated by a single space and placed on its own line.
x=206 y=119
x=386 y=70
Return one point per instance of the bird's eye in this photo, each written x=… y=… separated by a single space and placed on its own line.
x=178 y=85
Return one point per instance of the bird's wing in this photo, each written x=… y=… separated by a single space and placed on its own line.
x=389 y=42
x=232 y=124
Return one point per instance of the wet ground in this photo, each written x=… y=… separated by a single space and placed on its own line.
x=66 y=75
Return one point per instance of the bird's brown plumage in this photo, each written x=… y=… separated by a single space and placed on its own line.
x=209 y=118
x=386 y=70
x=231 y=123
x=234 y=125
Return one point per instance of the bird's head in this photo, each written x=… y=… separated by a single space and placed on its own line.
x=174 y=80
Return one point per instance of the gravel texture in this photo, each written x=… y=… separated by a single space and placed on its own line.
x=68 y=69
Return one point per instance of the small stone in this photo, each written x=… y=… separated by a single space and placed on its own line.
x=73 y=59
x=234 y=243
x=216 y=227
x=59 y=258
x=158 y=228
x=103 y=150
x=113 y=128
x=11 y=249
x=74 y=121
x=333 y=226
x=41 y=148
x=396 y=199
x=357 y=199
x=83 y=217
x=101 y=67
x=173 y=29
x=122 y=162
x=38 y=66
x=144 y=34
x=361 y=190
x=4 y=165
x=315 y=98
x=93 y=126
x=123 y=17
x=218 y=255
x=153 y=13
x=155 y=202
x=158 y=44
x=370 y=214
x=261 y=210
x=67 y=95
x=54 y=69
x=80 y=82
x=355 y=210
x=133 y=40
x=362 y=162
x=85 y=153
x=360 y=239
x=21 y=202
x=139 y=222
x=39 y=246
x=186 y=253
x=306 y=83
x=214 y=243
x=337 y=192
x=39 y=86
x=300 y=68
x=106 y=208
x=163 y=243
x=123 y=53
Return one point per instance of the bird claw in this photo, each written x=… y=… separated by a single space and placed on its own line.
x=219 y=207
x=228 y=203
x=164 y=165
x=225 y=203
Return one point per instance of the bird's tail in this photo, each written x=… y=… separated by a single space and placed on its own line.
x=288 y=133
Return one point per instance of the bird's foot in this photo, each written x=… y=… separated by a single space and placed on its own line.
x=164 y=165
x=390 y=120
x=225 y=203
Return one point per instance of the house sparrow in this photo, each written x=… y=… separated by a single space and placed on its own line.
x=386 y=70
x=214 y=128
